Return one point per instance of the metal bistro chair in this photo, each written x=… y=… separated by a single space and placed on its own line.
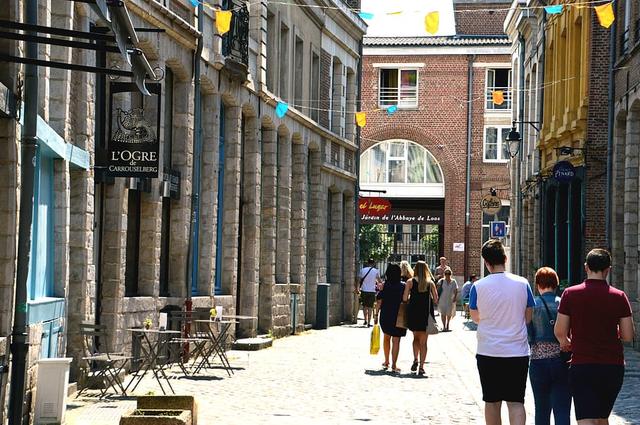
x=191 y=343
x=103 y=365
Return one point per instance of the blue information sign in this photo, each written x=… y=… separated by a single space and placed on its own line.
x=497 y=229
x=564 y=172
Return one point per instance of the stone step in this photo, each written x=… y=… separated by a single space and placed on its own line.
x=252 y=344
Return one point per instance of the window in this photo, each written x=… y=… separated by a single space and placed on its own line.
x=397 y=229
x=398 y=87
x=496 y=147
x=399 y=161
x=499 y=80
x=284 y=62
x=298 y=74
x=626 y=29
x=315 y=87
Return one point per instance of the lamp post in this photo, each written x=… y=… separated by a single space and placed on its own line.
x=514 y=139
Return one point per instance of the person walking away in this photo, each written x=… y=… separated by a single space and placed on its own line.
x=594 y=319
x=548 y=369
x=501 y=304
x=369 y=279
x=420 y=293
x=464 y=294
x=389 y=299
x=447 y=299
x=406 y=272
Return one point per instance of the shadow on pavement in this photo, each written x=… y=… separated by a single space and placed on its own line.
x=200 y=378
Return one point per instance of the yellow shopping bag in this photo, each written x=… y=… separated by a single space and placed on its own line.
x=375 y=340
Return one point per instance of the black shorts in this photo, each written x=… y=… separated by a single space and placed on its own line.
x=594 y=388
x=367 y=298
x=503 y=378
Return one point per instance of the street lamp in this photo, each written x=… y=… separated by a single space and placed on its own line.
x=514 y=139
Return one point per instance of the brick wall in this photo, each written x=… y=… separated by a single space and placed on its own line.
x=478 y=19
x=596 y=138
x=439 y=124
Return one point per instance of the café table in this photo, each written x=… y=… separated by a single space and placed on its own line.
x=152 y=356
x=216 y=343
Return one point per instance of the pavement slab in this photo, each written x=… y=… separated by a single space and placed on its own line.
x=329 y=377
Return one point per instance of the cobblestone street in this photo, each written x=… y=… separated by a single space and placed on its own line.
x=328 y=377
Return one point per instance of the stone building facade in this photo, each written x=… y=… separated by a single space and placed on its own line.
x=449 y=105
x=272 y=212
x=623 y=192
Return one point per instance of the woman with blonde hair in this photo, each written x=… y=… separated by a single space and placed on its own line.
x=420 y=292
x=406 y=272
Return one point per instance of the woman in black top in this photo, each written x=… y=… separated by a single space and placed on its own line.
x=420 y=292
x=389 y=300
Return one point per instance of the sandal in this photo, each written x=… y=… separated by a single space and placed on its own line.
x=414 y=366
x=421 y=372
x=385 y=366
x=395 y=370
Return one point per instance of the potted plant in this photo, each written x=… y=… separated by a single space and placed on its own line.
x=147 y=323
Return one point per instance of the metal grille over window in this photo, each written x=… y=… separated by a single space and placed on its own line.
x=348 y=160
x=398 y=87
x=235 y=43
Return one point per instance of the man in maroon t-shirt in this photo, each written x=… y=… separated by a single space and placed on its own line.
x=593 y=320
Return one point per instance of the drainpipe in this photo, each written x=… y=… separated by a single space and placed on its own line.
x=467 y=217
x=610 y=120
x=28 y=154
x=194 y=233
x=520 y=151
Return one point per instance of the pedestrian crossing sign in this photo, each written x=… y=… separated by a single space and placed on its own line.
x=498 y=229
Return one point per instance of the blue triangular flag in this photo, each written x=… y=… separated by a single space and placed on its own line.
x=365 y=15
x=392 y=110
x=194 y=3
x=281 y=109
x=553 y=10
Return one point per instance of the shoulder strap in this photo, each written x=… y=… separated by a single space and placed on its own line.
x=365 y=275
x=546 y=307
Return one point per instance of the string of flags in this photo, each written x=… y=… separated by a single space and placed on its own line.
x=604 y=12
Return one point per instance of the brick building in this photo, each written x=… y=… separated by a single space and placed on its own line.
x=270 y=216
x=561 y=61
x=623 y=194
x=443 y=89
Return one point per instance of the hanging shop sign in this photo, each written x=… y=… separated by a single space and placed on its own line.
x=133 y=149
x=491 y=204
x=171 y=184
x=563 y=172
x=375 y=207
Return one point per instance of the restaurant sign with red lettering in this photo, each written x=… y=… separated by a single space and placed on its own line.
x=374 y=207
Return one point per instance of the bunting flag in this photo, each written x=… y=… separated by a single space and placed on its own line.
x=281 y=109
x=392 y=110
x=553 y=10
x=366 y=15
x=223 y=21
x=432 y=22
x=605 y=14
x=498 y=97
x=361 y=119
x=194 y=3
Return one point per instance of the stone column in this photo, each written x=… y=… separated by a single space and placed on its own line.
x=182 y=161
x=350 y=119
x=231 y=199
x=251 y=201
x=268 y=230
x=336 y=296
x=283 y=237
x=316 y=236
x=349 y=253
x=631 y=213
x=60 y=79
x=299 y=242
x=209 y=191
x=617 y=204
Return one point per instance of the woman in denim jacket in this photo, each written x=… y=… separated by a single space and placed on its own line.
x=548 y=371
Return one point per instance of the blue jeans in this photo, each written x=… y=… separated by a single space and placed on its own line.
x=550 y=383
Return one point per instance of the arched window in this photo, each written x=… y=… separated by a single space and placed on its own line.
x=394 y=164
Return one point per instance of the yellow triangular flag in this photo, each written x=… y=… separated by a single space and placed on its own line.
x=432 y=22
x=223 y=21
x=498 y=97
x=361 y=119
x=605 y=14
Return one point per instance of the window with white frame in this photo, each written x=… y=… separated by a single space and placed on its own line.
x=496 y=147
x=499 y=79
x=399 y=87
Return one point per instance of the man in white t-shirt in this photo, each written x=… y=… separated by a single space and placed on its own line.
x=369 y=280
x=501 y=304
